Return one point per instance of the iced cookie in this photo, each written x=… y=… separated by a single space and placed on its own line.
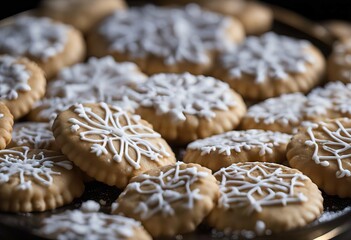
x=22 y=83
x=82 y=14
x=271 y=65
x=238 y=146
x=323 y=153
x=37 y=180
x=88 y=223
x=265 y=198
x=165 y=39
x=6 y=124
x=108 y=143
x=170 y=200
x=339 y=62
x=50 y=44
x=185 y=107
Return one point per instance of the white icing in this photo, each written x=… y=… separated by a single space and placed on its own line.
x=37 y=135
x=37 y=167
x=255 y=186
x=39 y=37
x=175 y=34
x=342 y=57
x=168 y=188
x=181 y=94
x=13 y=78
x=260 y=227
x=1 y=115
x=336 y=147
x=239 y=141
x=270 y=56
x=90 y=206
x=116 y=127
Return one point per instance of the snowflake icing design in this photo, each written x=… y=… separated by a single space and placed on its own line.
x=111 y=130
x=255 y=186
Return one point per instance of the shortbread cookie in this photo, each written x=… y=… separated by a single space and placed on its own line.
x=37 y=180
x=82 y=14
x=265 y=198
x=338 y=28
x=323 y=153
x=6 y=124
x=171 y=200
x=238 y=146
x=22 y=83
x=185 y=107
x=108 y=143
x=271 y=65
x=88 y=223
x=339 y=62
x=165 y=39
x=50 y=44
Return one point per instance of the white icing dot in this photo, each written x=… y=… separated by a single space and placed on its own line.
x=260 y=227
x=90 y=206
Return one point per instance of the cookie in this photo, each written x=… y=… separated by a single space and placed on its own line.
x=88 y=223
x=231 y=147
x=109 y=144
x=6 y=124
x=160 y=39
x=82 y=14
x=22 y=84
x=266 y=198
x=50 y=44
x=271 y=65
x=339 y=63
x=186 y=107
x=178 y=196
x=323 y=153
x=339 y=29
x=34 y=180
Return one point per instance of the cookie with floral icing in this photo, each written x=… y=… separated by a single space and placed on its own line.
x=339 y=62
x=6 y=124
x=185 y=107
x=323 y=153
x=178 y=196
x=22 y=84
x=238 y=146
x=34 y=180
x=271 y=65
x=82 y=14
x=265 y=198
x=109 y=144
x=50 y=44
x=165 y=39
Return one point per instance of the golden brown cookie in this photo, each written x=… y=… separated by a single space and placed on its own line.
x=170 y=200
x=6 y=124
x=238 y=146
x=22 y=84
x=108 y=143
x=264 y=198
x=340 y=29
x=36 y=180
x=50 y=44
x=339 y=63
x=323 y=153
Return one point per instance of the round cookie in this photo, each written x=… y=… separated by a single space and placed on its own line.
x=22 y=84
x=37 y=180
x=6 y=124
x=339 y=62
x=157 y=39
x=323 y=152
x=50 y=44
x=177 y=196
x=108 y=143
x=265 y=198
x=338 y=28
x=225 y=149
x=185 y=107
x=271 y=65
x=82 y=14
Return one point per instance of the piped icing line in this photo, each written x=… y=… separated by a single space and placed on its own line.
x=239 y=141
x=39 y=135
x=13 y=78
x=38 y=167
x=255 y=186
x=181 y=94
x=169 y=187
x=39 y=37
x=337 y=147
x=110 y=130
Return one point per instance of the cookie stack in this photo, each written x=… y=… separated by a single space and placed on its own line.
x=110 y=93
